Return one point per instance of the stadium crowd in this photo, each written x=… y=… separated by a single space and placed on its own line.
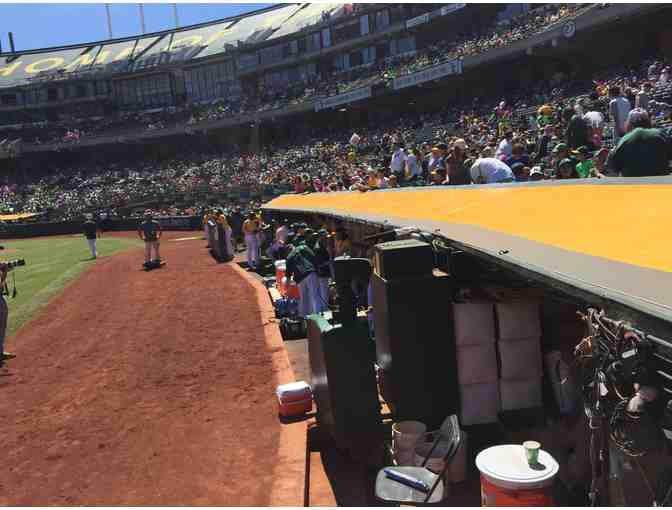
x=75 y=126
x=561 y=128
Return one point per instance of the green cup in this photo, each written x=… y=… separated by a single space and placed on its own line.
x=532 y=452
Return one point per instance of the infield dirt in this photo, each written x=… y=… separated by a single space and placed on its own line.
x=150 y=388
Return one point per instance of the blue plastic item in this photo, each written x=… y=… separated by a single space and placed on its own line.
x=406 y=480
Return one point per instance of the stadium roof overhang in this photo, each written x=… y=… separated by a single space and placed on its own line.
x=172 y=46
x=603 y=241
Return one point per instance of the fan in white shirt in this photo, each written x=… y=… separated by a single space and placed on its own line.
x=398 y=162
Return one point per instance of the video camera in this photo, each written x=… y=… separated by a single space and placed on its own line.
x=11 y=264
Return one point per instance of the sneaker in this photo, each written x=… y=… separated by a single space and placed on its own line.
x=8 y=355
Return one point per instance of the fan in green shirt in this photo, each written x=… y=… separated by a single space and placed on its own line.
x=585 y=165
x=642 y=152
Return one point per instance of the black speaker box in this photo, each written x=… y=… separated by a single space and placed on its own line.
x=415 y=346
x=344 y=382
x=400 y=259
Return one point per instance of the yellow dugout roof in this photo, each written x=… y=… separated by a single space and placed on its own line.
x=610 y=236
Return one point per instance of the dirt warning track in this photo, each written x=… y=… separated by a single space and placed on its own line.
x=150 y=388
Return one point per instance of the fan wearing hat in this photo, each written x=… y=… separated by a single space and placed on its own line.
x=561 y=152
x=567 y=169
x=150 y=232
x=584 y=167
x=436 y=158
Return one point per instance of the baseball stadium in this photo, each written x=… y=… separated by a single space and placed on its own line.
x=319 y=255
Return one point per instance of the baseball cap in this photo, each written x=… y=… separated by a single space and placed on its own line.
x=560 y=147
x=566 y=161
x=536 y=173
x=583 y=150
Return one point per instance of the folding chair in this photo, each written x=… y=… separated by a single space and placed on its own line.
x=392 y=491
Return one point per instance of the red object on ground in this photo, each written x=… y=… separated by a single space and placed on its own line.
x=151 y=388
x=294 y=399
x=492 y=495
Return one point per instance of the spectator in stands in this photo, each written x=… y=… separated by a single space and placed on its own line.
x=398 y=161
x=436 y=159
x=505 y=147
x=413 y=165
x=595 y=121
x=490 y=170
x=643 y=151
x=619 y=108
x=521 y=172
x=584 y=167
x=577 y=133
x=541 y=150
x=518 y=155
x=561 y=153
x=536 y=174
x=643 y=96
x=567 y=169
x=458 y=173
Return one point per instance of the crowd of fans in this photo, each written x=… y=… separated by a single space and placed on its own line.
x=616 y=122
x=73 y=130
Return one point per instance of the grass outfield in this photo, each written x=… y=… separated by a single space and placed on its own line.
x=51 y=262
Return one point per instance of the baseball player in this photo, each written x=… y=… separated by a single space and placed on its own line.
x=251 y=231
x=206 y=217
x=228 y=235
x=92 y=233
x=150 y=232
x=3 y=315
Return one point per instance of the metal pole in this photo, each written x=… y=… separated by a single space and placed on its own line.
x=109 y=20
x=177 y=20
x=142 y=17
x=11 y=42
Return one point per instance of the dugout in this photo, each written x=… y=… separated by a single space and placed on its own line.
x=534 y=287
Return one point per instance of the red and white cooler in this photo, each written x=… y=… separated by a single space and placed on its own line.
x=294 y=399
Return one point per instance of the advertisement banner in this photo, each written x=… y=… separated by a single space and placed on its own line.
x=447 y=9
x=418 y=20
x=340 y=99
x=433 y=73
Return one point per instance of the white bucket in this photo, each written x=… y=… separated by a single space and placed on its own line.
x=508 y=480
x=457 y=470
x=405 y=435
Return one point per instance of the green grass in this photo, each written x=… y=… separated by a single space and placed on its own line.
x=51 y=263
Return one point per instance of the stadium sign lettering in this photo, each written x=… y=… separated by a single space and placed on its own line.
x=39 y=66
x=433 y=73
x=447 y=9
x=348 y=97
x=418 y=20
